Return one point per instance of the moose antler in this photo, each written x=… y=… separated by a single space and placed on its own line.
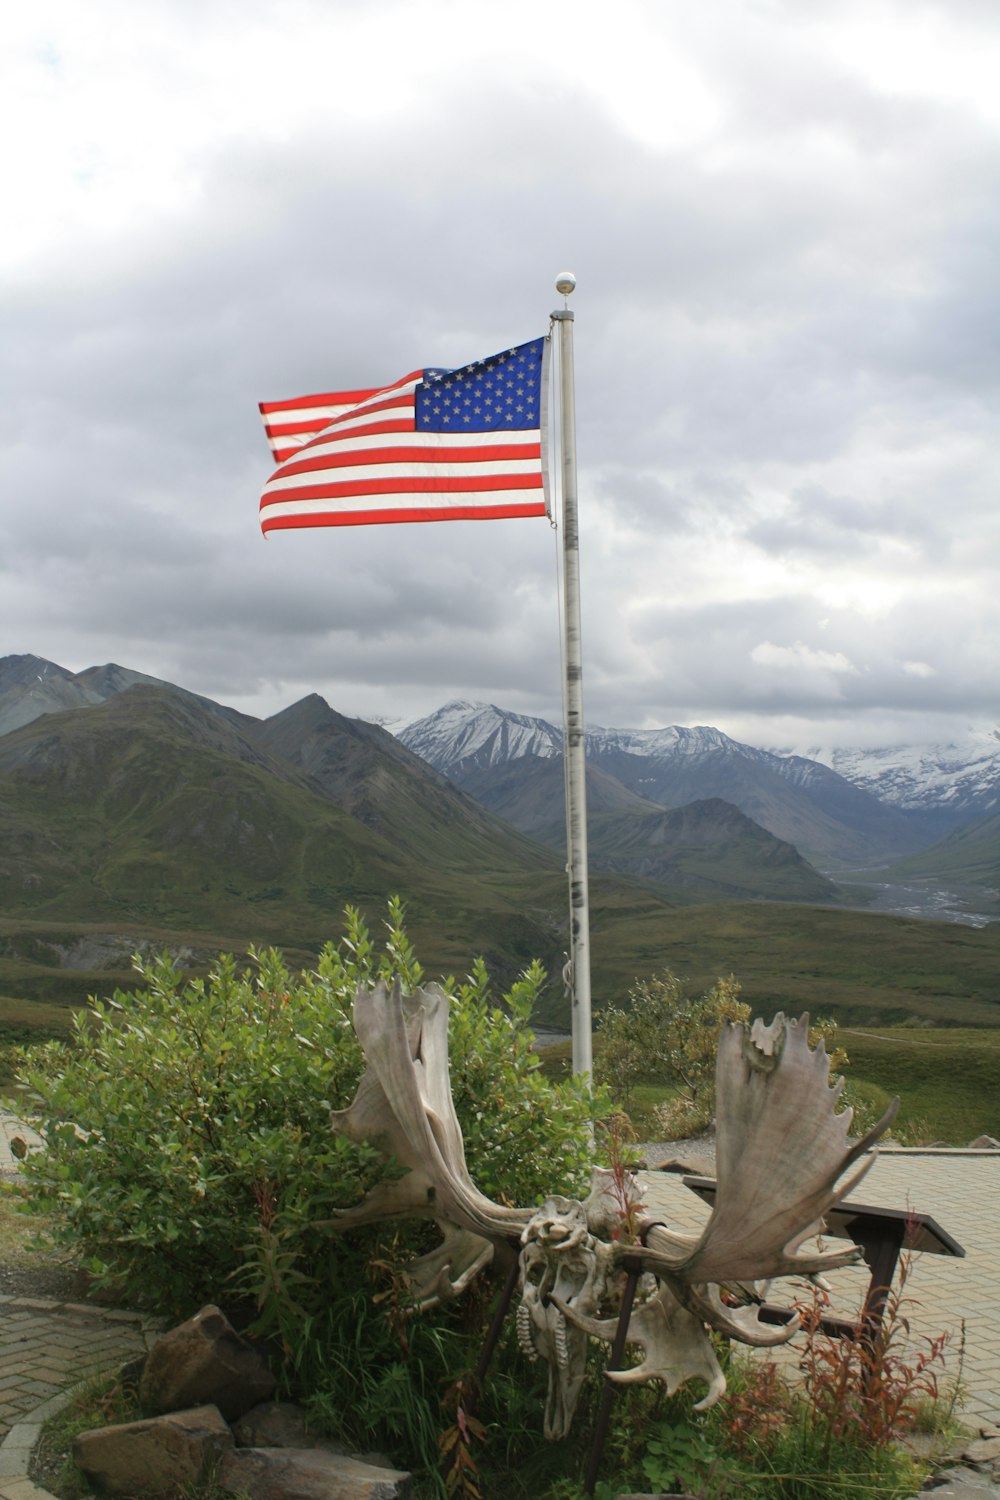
x=781 y=1147
x=403 y=1106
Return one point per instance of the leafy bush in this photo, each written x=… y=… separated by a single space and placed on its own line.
x=831 y=1434
x=671 y=1037
x=190 y=1156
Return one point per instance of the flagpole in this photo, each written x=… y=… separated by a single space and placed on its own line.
x=573 y=740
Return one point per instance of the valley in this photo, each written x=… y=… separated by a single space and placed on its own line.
x=972 y=906
x=136 y=816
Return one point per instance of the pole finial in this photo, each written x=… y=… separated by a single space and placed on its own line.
x=565 y=283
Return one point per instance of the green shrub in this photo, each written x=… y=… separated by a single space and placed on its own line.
x=185 y=1117
x=190 y=1159
x=671 y=1037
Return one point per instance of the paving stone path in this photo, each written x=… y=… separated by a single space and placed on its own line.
x=48 y=1347
x=961 y=1190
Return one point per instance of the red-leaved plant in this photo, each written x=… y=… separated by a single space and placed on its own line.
x=863 y=1391
x=869 y=1387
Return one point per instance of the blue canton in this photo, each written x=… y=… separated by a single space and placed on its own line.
x=499 y=394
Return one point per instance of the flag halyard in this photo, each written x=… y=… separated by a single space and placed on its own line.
x=438 y=445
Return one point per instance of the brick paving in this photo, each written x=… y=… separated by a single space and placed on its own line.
x=961 y=1190
x=47 y=1347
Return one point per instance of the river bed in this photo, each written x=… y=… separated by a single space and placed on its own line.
x=932 y=902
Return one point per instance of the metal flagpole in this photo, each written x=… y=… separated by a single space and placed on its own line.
x=573 y=742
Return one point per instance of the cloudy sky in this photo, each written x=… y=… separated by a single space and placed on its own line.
x=784 y=219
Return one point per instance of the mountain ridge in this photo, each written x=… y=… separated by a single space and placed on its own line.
x=154 y=819
x=829 y=820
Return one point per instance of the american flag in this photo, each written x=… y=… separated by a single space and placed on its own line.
x=438 y=445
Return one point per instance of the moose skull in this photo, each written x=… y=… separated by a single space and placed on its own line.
x=562 y=1265
x=782 y=1149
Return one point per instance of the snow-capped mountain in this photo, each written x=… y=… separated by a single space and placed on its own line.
x=955 y=782
x=464 y=734
x=478 y=735
x=962 y=777
x=798 y=800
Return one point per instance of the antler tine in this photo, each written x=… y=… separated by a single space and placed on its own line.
x=403 y=1106
x=781 y=1149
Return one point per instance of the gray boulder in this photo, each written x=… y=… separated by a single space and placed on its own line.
x=985 y=1450
x=280 y=1424
x=204 y=1359
x=158 y=1456
x=307 y=1474
x=963 y=1484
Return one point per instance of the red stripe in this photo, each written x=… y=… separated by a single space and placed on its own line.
x=433 y=484
x=389 y=517
x=334 y=398
x=340 y=398
x=405 y=424
x=397 y=424
x=291 y=429
x=409 y=455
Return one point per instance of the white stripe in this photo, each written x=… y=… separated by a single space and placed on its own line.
x=460 y=438
x=306 y=413
x=399 y=399
x=364 y=415
x=357 y=473
x=356 y=504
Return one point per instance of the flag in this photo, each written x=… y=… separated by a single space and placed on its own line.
x=438 y=445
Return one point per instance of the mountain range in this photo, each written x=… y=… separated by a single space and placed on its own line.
x=837 y=822
x=135 y=814
x=123 y=796
x=960 y=778
x=132 y=806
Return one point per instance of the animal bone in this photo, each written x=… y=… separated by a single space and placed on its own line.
x=675 y=1344
x=781 y=1147
x=562 y=1265
x=404 y=1106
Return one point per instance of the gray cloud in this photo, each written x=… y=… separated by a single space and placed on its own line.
x=787 y=378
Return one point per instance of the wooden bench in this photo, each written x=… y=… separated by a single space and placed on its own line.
x=881 y=1233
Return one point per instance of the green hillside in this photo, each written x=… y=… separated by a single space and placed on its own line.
x=703 y=850
x=969 y=856
x=863 y=968
x=709 y=847
x=153 y=821
x=150 y=814
x=948 y=1080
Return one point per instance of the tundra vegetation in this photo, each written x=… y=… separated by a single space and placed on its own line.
x=190 y=1159
x=668 y=1038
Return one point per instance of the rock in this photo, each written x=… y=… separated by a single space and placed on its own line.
x=280 y=1424
x=204 y=1359
x=984 y=1143
x=984 y=1451
x=963 y=1484
x=307 y=1474
x=157 y=1456
x=675 y=1164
